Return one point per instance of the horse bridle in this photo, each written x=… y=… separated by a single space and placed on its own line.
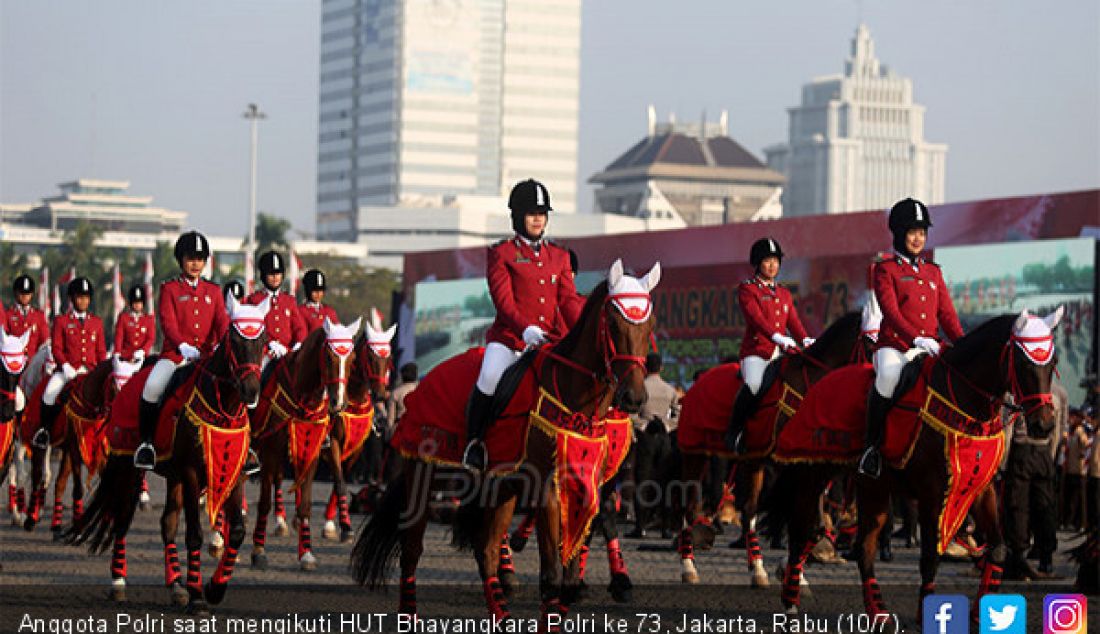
x=365 y=370
x=995 y=400
x=21 y=363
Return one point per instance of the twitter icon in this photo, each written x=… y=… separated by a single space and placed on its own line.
x=1003 y=614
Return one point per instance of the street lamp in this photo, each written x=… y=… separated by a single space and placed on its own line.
x=253 y=115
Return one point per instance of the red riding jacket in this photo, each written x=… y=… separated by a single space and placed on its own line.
x=914 y=302
x=19 y=320
x=313 y=315
x=78 y=342
x=283 y=323
x=768 y=310
x=190 y=314
x=133 y=332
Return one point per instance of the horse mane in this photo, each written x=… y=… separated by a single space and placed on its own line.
x=839 y=328
x=593 y=305
x=996 y=329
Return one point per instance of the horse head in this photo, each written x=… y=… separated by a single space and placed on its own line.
x=1030 y=369
x=13 y=354
x=121 y=372
x=376 y=356
x=244 y=346
x=336 y=362
x=626 y=334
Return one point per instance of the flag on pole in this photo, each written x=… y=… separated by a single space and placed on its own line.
x=63 y=287
x=208 y=270
x=147 y=281
x=249 y=272
x=293 y=269
x=44 y=291
x=119 y=299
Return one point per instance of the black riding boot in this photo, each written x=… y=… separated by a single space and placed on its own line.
x=146 y=456
x=870 y=463
x=47 y=414
x=478 y=416
x=743 y=408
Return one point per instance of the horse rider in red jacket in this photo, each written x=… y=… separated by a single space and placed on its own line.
x=78 y=345
x=770 y=314
x=313 y=311
x=135 y=332
x=192 y=319
x=285 y=329
x=23 y=317
x=915 y=305
x=235 y=288
x=532 y=288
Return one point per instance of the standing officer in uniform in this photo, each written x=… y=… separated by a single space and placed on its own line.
x=285 y=328
x=769 y=313
x=531 y=285
x=135 y=331
x=915 y=305
x=23 y=317
x=313 y=311
x=192 y=318
x=78 y=345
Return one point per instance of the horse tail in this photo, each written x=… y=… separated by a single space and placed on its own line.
x=111 y=509
x=379 y=542
x=469 y=519
x=776 y=506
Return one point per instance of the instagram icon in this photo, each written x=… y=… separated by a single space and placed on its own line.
x=1064 y=614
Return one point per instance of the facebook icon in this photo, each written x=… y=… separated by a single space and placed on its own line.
x=946 y=614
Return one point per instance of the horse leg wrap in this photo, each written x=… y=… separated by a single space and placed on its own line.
x=407 y=602
x=330 y=510
x=872 y=597
x=58 y=511
x=259 y=536
x=118 y=559
x=20 y=499
x=527 y=527
x=144 y=484
x=506 y=564
x=687 y=549
x=171 y=564
x=991 y=578
x=752 y=548
x=582 y=562
x=553 y=613
x=792 y=577
x=280 y=509
x=78 y=510
x=224 y=571
x=807 y=548
x=494 y=599
x=12 y=504
x=38 y=500
x=345 y=515
x=305 y=542
x=615 y=561
x=194 y=573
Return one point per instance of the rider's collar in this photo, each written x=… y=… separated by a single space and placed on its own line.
x=77 y=315
x=913 y=261
x=534 y=244
x=192 y=283
x=272 y=293
x=314 y=305
x=761 y=281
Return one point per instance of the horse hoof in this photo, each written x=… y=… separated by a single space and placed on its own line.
x=518 y=543
x=144 y=503
x=689 y=577
x=117 y=593
x=330 y=530
x=509 y=583
x=214 y=592
x=792 y=610
x=281 y=529
x=621 y=588
x=179 y=595
x=759 y=576
x=308 y=562
x=259 y=561
x=57 y=534
x=198 y=607
x=28 y=524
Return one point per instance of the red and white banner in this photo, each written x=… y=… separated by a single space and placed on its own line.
x=116 y=292
x=44 y=291
x=249 y=272
x=147 y=281
x=294 y=272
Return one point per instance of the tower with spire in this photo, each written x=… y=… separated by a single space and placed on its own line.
x=856 y=142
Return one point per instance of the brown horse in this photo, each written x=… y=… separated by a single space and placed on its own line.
x=13 y=363
x=573 y=385
x=301 y=395
x=840 y=344
x=86 y=404
x=206 y=412
x=952 y=453
x=367 y=385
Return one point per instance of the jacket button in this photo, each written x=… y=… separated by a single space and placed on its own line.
x=542 y=300
x=922 y=315
x=921 y=282
x=540 y=265
x=542 y=281
x=922 y=298
x=542 y=318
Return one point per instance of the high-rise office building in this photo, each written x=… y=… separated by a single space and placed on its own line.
x=425 y=100
x=856 y=142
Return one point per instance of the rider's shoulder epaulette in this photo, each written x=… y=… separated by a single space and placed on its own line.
x=498 y=243
x=883 y=256
x=933 y=264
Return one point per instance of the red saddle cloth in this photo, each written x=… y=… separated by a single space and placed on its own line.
x=7 y=436
x=306 y=428
x=32 y=413
x=123 y=433
x=358 y=421
x=89 y=424
x=830 y=426
x=706 y=409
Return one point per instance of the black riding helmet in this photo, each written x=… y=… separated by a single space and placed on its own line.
x=905 y=215
x=22 y=284
x=135 y=294
x=192 y=245
x=528 y=196
x=313 y=280
x=80 y=286
x=271 y=262
x=764 y=248
x=234 y=287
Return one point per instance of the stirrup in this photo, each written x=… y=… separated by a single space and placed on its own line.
x=870 y=463
x=475 y=455
x=145 y=457
x=41 y=439
x=252 y=465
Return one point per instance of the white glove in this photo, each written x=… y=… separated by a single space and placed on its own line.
x=276 y=349
x=69 y=372
x=139 y=356
x=83 y=370
x=928 y=344
x=808 y=341
x=296 y=346
x=534 y=336
x=189 y=352
x=783 y=341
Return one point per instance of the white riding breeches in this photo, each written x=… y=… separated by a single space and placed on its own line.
x=888 y=364
x=20 y=399
x=53 y=388
x=498 y=358
x=753 y=367
x=158 y=379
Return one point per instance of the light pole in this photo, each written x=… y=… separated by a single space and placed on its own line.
x=253 y=115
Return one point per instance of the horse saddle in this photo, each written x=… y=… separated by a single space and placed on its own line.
x=124 y=428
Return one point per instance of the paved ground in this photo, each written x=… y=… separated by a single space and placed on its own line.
x=41 y=576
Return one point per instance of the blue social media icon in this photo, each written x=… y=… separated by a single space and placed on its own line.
x=1003 y=614
x=946 y=614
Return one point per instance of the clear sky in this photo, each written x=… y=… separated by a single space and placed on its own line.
x=152 y=92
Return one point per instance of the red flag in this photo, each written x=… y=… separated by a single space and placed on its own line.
x=147 y=281
x=116 y=284
x=44 y=291
x=293 y=271
x=249 y=272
